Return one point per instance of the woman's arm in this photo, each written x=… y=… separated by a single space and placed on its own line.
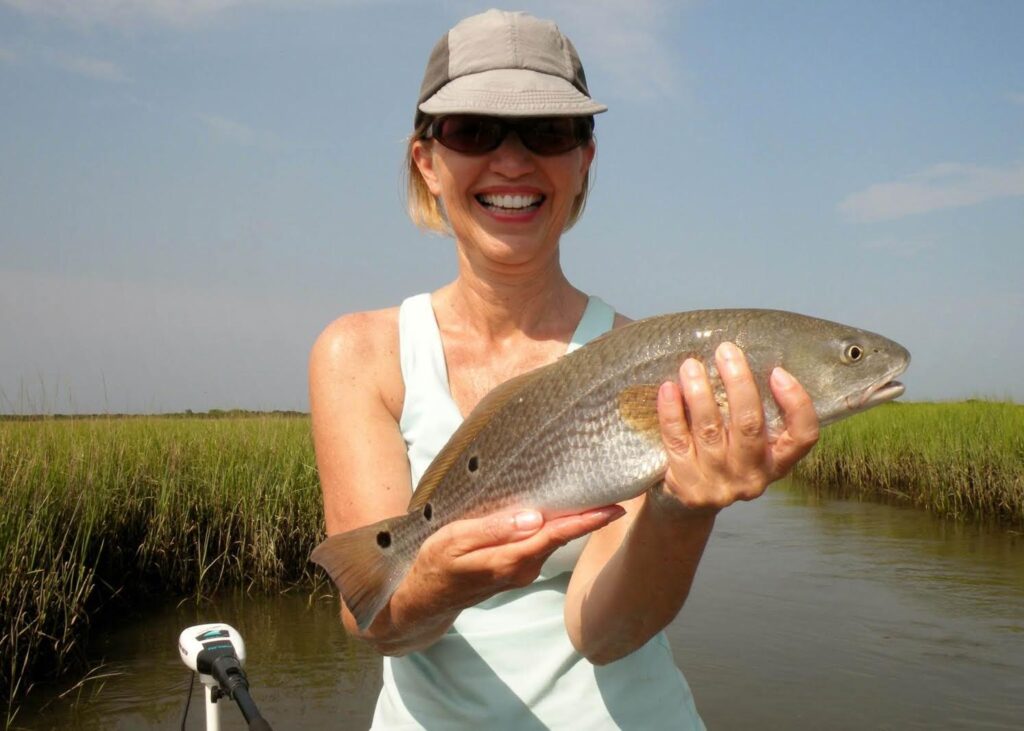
x=634 y=576
x=356 y=395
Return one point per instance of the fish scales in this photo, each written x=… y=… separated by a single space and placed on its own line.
x=582 y=432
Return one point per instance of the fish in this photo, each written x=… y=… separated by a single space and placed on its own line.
x=582 y=432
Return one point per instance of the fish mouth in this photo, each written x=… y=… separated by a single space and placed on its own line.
x=877 y=394
x=884 y=389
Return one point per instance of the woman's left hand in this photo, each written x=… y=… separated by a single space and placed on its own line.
x=711 y=465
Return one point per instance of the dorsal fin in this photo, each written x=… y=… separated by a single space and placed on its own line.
x=638 y=407
x=479 y=418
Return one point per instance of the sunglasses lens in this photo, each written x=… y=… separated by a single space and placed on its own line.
x=553 y=135
x=473 y=135
x=470 y=135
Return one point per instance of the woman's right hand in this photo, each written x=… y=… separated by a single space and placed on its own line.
x=468 y=561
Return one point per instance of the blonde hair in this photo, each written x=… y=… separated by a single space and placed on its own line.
x=425 y=210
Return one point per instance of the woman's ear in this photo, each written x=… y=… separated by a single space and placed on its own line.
x=423 y=156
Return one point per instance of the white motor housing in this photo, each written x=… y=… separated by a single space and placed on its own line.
x=215 y=639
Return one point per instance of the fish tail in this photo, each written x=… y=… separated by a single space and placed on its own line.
x=366 y=565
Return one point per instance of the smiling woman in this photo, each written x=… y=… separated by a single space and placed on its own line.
x=516 y=619
x=473 y=134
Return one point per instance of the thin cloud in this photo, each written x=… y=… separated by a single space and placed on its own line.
x=124 y=12
x=625 y=40
x=901 y=247
x=7 y=55
x=948 y=185
x=129 y=13
x=1015 y=97
x=91 y=68
x=232 y=131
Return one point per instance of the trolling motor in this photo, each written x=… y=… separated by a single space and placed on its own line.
x=216 y=652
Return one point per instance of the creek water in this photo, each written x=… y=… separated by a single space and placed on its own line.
x=808 y=612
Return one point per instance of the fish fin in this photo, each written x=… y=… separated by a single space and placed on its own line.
x=365 y=566
x=480 y=417
x=638 y=407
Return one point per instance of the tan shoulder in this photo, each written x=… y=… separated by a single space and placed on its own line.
x=359 y=349
x=359 y=334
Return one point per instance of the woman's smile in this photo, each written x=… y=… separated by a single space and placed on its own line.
x=511 y=204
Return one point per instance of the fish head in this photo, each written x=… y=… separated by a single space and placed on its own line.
x=845 y=370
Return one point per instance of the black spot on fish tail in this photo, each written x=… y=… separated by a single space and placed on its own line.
x=366 y=566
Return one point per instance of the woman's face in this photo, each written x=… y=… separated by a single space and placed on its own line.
x=509 y=205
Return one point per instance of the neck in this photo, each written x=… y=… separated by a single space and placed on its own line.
x=497 y=301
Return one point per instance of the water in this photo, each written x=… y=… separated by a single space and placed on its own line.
x=843 y=615
x=806 y=613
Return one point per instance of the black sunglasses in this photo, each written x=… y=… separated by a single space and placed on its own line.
x=475 y=135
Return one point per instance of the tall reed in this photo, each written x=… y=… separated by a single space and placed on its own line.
x=964 y=460
x=99 y=511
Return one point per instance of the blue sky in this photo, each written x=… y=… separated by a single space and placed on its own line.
x=190 y=190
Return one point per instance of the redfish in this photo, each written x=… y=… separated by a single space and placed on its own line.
x=583 y=432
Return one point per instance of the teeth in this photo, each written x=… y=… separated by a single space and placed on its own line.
x=510 y=201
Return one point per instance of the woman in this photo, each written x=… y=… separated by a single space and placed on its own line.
x=511 y=621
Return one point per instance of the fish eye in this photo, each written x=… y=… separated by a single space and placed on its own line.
x=384 y=539
x=474 y=463
x=853 y=353
x=428 y=511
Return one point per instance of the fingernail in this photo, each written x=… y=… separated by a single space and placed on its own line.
x=728 y=351
x=527 y=520
x=781 y=378
x=731 y=357
x=616 y=511
x=665 y=391
x=609 y=513
x=692 y=368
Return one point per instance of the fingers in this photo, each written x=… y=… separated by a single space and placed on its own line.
x=801 y=432
x=705 y=415
x=472 y=534
x=683 y=469
x=711 y=465
x=559 y=531
x=746 y=412
x=472 y=559
x=524 y=532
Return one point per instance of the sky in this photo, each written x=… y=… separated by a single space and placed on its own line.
x=190 y=190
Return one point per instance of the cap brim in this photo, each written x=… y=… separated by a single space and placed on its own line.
x=511 y=93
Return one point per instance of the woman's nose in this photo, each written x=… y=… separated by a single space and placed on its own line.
x=511 y=158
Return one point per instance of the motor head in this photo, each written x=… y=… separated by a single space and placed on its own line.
x=200 y=645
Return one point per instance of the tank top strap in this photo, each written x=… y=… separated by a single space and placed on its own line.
x=419 y=345
x=597 y=319
x=429 y=415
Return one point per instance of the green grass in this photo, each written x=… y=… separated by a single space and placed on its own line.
x=962 y=460
x=102 y=513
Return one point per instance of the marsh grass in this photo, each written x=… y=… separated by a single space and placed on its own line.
x=962 y=460
x=102 y=514
x=113 y=512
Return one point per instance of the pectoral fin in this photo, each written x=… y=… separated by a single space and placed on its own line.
x=638 y=407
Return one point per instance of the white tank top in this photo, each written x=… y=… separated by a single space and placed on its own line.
x=507 y=664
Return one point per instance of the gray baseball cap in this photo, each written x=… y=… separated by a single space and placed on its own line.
x=506 y=64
